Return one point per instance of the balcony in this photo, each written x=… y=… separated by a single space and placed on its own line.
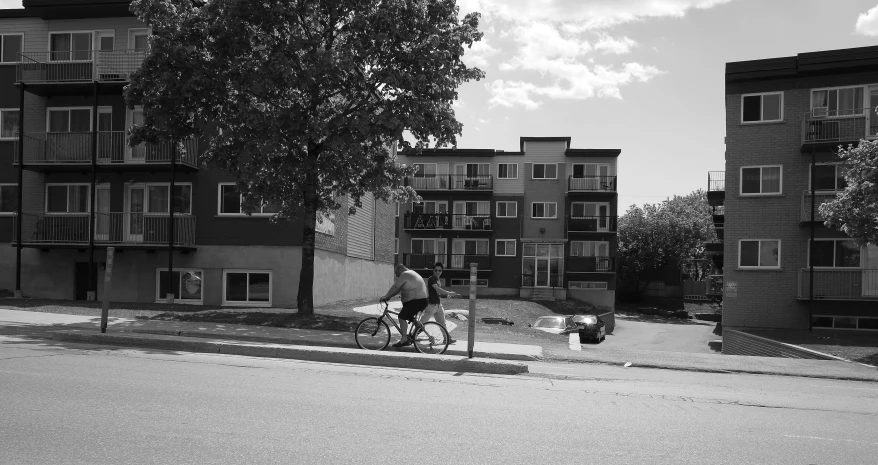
x=420 y=261
x=716 y=188
x=451 y=182
x=840 y=284
x=446 y=221
x=588 y=224
x=825 y=130
x=591 y=184
x=84 y=66
x=119 y=229
x=820 y=198
x=591 y=264
x=74 y=149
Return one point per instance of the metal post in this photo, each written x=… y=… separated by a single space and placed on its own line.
x=20 y=217
x=108 y=277
x=471 y=321
x=170 y=294
x=92 y=293
x=811 y=244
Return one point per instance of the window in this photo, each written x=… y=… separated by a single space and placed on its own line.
x=430 y=206
x=589 y=249
x=845 y=322
x=159 y=202
x=187 y=286
x=835 y=253
x=67 y=198
x=756 y=108
x=229 y=202
x=589 y=209
x=507 y=209
x=9 y=124
x=69 y=119
x=829 y=177
x=425 y=170
x=544 y=210
x=66 y=46
x=8 y=198
x=591 y=170
x=545 y=171
x=507 y=171
x=245 y=287
x=761 y=180
x=759 y=253
x=465 y=282
x=10 y=47
x=837 y=102
x=472 y=170
x=505 y=248
x=137 y=39
x=588 y=285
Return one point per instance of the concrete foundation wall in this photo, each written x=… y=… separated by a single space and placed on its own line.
x=338 y=278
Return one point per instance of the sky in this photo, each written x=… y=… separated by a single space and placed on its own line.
x=643 y=76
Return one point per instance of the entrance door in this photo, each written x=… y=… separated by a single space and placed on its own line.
x=136 y=198
x=80 y=280
x=872 y=120
x=136 y=154
x=106 y=141
x=870 y=271
x=542 y=272
x=102 y=212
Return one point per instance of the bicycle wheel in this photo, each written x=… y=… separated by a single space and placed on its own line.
x=432 y=339
x=372 y=334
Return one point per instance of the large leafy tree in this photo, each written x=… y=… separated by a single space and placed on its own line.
x=304 y=99
x=662 y=235
x=855 y=209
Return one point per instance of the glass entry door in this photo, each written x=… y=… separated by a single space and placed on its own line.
x=542 y=272
x=872 y=120
x=134 y=213
x=136 y=154
x=870 y=271
x=102 y=212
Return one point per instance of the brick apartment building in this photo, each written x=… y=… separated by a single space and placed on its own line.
x=539 y=222
x=785 y=118
x=68 y=176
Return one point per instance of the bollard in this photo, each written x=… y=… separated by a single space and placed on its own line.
x=471 y=322
x=108 y=276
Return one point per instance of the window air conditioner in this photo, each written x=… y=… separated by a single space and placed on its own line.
x=820 y=112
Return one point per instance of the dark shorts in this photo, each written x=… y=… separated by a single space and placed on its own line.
x=411 y=308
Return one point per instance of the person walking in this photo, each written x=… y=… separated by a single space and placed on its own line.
x=434 y=307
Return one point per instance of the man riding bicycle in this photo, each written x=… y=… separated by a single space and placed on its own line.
x=413 y=291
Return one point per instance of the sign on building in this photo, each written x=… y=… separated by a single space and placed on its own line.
x=326 y=223
x=731 y=289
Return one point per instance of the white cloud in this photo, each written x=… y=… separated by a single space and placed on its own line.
x=867 y=23
x=478 y=55
x=609 y=44
x=510 y=94
x=6 y=4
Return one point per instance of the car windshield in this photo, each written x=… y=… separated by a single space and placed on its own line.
x=589 y=320
x=549 y=323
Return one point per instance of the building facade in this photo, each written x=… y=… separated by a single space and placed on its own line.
x=70 y=187
x=785 y=119
x=539 y=222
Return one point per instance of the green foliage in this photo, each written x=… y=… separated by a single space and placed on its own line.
x=855 y=209
x=662 y=236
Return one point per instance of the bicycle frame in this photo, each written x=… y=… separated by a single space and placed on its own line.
x=414 y=326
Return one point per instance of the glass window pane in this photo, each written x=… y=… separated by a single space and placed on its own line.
x=158 y=199
x=183 y=198
x=60 y=43
x=824 y=177
x=163 y=284
x=528 y=250
x=578 y=171
x=9 y=121
x=270 y=207
x=821 y=322
x=868 y=323
x=8 y=199
x=513 y=170
x=551 y=210
x=80 y=120
x=140 y=42
x=190 y=285
x=848 y=323
x=822 y=253
x=59 y=121
x=749 y=253
x=542 y=250
x=260 y=285
x=236 y=287
x=847 y=254
x=752 y=108
x=539 y=171
x=552 y=171
x=11 y=48
x=82 y=46
x=771 y=107
x=231 y=201
x=557 y=250
x=78 y=199
x=56 y=199
x=771 y=180
x=819 y=99
x=769 y=253
x=750 y=182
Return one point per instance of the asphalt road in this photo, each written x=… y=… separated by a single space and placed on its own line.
x=65 y=403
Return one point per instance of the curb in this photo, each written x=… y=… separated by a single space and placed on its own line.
x=307 y=353
x=274 y=340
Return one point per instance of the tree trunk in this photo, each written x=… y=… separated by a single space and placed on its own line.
x=305 y=299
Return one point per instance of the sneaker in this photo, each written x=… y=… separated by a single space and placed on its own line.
x=451 y=340
x=402 y=344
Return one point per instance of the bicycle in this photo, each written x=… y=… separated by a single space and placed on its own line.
x=374 y=334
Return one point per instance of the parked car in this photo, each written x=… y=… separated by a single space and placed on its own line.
x=555 y=324
x=591 y=327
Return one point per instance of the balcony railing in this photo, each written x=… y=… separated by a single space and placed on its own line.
x=75 y=148
x=591 y=223
x=837 y=126
x=591 y=183
x=527 y=280
x=442 y=221
x=840 y=284
x=455 y=182
x=422 y=261
x=110 y=229
x=78 y=66
x=716 y=181
x=820 y=198
x=591 y=264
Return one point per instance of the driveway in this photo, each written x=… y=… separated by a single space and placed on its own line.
x=690 y=336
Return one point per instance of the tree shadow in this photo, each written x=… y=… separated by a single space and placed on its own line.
x=278 y=320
